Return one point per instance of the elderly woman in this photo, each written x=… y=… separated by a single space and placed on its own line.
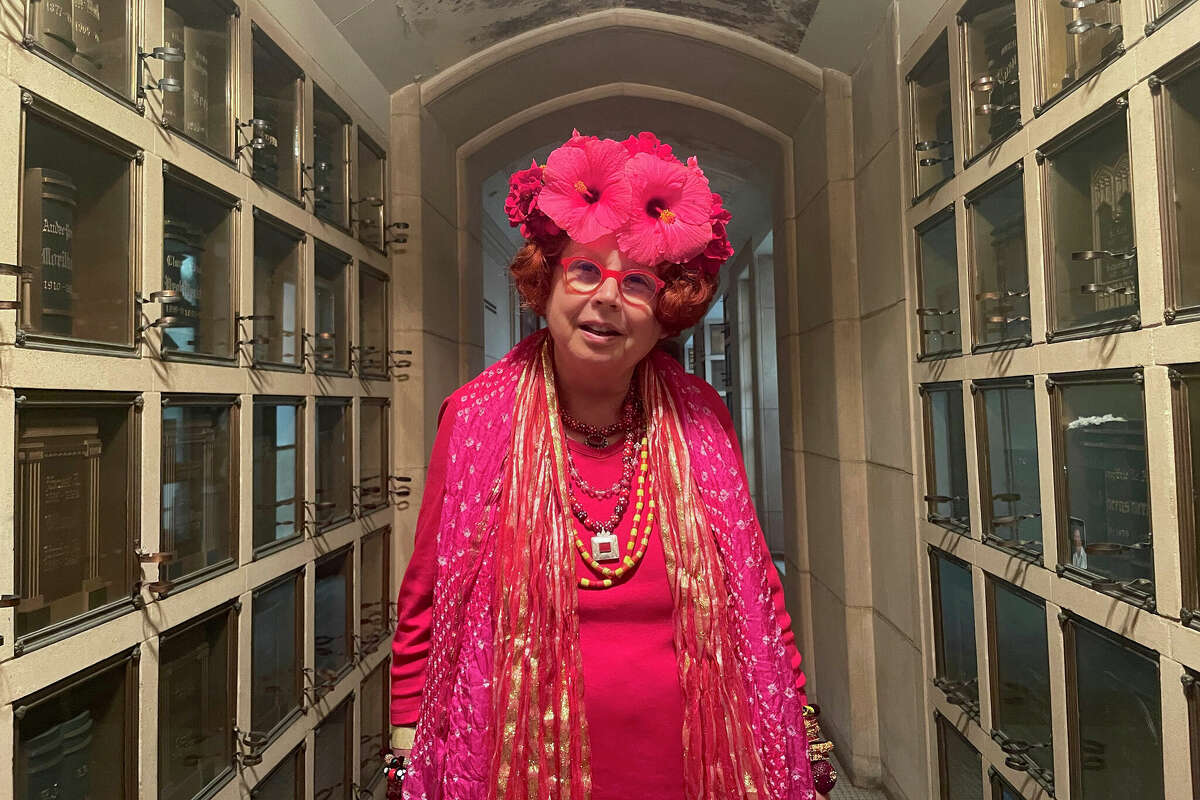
x=591 y=610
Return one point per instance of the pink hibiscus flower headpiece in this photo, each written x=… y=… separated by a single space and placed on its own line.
x=659 y=208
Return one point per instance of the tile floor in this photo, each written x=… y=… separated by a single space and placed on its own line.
x=845 y=791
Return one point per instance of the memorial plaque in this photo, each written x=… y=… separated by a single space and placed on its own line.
x=72 y=512
x=275 y=668
x=74 y=739
x=196 y=486
x=195 y=707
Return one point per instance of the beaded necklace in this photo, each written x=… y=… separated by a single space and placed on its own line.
x=635 y=549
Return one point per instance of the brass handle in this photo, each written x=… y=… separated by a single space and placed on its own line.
x=10 y=600
x=931 y=144
x=1096 y=288
x=929 y=162
x=1006 y=497
x=256 y=317
x=1078 y=27
x=162 y=557
x=1096 y=255
x=987 y=109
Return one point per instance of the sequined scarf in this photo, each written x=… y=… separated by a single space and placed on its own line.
x=502 y=712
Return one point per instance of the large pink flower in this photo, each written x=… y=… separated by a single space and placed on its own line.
x=671 y=208
x=587 y=193
x=647 y=142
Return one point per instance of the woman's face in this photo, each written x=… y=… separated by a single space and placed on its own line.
x=601 y=331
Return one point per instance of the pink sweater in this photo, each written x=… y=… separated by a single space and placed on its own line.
x=631 y=694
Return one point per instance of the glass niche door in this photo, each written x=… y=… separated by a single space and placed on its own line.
x=1104 y=500
x=1073 y=39
x=1008 y=465
x=75 y=508
x=198 y=255
x=1090 y=248
x=276 y=321
x=373 y=322
x=329 y=170
x=932 y=125
x=370 y=214
x=945 y=442
x=278 y=472
x=76 y=233
x=199 y=106
x=993 y=107
x=277 y=91
x=199 y=511
x=998 y=262
x=937 y=264
x=93 y=39
x=954 y=630
x=78 y=737
x=330 y=342
x=1179 y=130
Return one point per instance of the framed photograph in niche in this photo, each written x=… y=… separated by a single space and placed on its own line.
x=1073 y=39
x=78 y=737
x=330 y=342
x=278 y=475
x=278 y=89
x=285 y=781
x=370 y=205
x=954 y=630
x=333 y=630
x=92 y=39
x=197 y=705
x=1114 y=709
x=992 y=90
x=78 y=223
x=332 y=455
x=960 y=767
x=939 y=314
x=374 y=696
x=947 y=504
x=275 y=328
x=1020 y=680
x=277 y=644
x=373 y=469
x=998 y=262
x=199 y=226
x=75 y=511
x=932 y=125
x=1006 y=434
x=1185 y=412
x=199 y=484
x=1103 y=494
x=333 y=754
x=373 y=323
x=375 y=593
x=329 y=171
x=1090 y=249
x=1176 y=89
x=201 y=107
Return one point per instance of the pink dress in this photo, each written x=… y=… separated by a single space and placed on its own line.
x=631 y=684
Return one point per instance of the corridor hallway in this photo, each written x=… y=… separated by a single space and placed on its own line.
x=253 y=244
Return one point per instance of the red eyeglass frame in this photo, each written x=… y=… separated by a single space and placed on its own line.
x=616 y=274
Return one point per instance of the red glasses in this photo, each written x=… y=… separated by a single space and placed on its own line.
x=582 y=275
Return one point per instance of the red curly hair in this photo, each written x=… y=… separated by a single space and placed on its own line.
x=681 y=304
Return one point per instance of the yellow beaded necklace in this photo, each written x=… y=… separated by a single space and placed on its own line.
x=635 y=549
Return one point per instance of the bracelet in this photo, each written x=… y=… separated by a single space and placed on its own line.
x=823 y=774
x=394 y=767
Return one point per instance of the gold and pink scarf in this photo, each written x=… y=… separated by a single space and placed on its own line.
x=502 y=712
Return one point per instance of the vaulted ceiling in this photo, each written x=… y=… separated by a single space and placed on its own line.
x=405 y=40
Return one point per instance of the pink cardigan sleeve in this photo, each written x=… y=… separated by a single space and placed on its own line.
x=773 y=582
x=414 y=603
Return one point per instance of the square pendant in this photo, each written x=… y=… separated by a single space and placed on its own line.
x=605 y=547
